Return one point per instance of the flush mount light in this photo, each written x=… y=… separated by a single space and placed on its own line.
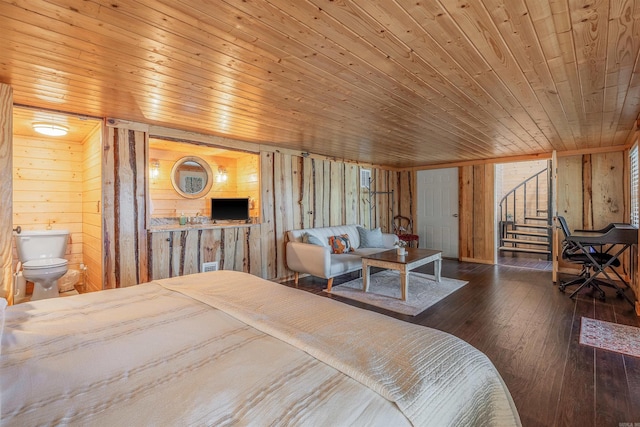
x=50 y=129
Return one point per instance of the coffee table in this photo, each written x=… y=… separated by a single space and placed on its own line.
x=413 y=258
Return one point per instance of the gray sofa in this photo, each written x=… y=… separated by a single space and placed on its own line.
x=318 y=260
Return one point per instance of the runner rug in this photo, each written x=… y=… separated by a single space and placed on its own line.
x=610 y=336
x=384 y=291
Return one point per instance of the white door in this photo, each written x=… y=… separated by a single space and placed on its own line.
x=437 y=210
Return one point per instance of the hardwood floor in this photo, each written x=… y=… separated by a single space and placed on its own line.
x=526 y=261
x=530 y=330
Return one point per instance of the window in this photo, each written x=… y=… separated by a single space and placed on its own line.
x=365 y=178
x=633 y=161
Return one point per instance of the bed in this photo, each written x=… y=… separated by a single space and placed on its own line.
x=228 y=348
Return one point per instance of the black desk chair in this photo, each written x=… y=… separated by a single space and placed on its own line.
x=575 y=254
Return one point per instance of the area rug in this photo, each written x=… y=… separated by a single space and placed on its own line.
x=384 y=291
x=610 y=336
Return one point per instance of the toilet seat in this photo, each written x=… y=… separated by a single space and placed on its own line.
x=44 y=263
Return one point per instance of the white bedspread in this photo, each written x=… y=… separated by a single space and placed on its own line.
x=226 y=348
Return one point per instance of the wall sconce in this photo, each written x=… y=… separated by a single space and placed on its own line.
x=222 y=174
x=155 y=169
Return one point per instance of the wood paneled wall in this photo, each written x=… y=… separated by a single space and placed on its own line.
x=248 y=181
x=477 y=229
x=92 y=209
x=592 y=193
x=306 y=192
x=47 y=189
x=6 y=191
x=124 y=212
x=176 y=253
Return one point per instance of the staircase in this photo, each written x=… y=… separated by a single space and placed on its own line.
x=525 y=220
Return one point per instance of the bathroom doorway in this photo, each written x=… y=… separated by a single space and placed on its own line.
x=57 y=185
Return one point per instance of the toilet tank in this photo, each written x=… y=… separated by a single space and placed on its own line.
x=41 y=244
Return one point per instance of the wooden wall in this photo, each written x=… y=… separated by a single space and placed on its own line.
x=6 y=191
x=92 y=209
x=592 y=193
x=306 y=192
x=47 y=189
x=248 y=181
x=176 y=253
x=296 y=192
x=476 y=198
x=124 y=212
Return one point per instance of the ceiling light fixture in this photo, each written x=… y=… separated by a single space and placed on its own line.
x=50 y=129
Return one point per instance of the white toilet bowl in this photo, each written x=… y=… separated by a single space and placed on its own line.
x=41 y=254
x=44 y=273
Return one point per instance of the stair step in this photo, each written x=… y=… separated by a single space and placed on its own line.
x=537 y=218
x=541 y=226
x=527 y=233
x=525 y=242
x=528 y=250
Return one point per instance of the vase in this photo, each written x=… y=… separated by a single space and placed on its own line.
x=401 y=251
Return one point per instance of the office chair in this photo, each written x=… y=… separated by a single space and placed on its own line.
x=574 y=254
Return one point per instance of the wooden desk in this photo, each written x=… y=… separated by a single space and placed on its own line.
x=403 y=263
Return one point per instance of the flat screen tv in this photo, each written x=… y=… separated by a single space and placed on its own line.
x=230 y=209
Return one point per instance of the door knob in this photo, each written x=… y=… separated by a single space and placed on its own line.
x=455 y=215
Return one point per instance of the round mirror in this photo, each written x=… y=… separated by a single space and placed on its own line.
x=191 y=177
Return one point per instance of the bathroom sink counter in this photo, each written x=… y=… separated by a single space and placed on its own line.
x=205 y=226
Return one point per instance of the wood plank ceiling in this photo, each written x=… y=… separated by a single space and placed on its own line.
x=391 y=82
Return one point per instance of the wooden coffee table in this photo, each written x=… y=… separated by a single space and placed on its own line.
x=403 y=263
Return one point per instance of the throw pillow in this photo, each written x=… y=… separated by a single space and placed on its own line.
x=311 y=239
x=340 y=244
x=370 y=238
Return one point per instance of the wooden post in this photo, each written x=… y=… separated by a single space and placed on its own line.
x=553 y=209
x=124 y=173
x=6 y=190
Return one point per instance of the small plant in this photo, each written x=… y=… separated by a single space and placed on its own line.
x=400 y=244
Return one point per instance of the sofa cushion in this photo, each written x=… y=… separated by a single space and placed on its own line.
x=370 y=238
x=311 y=239
x=323 y=233
x=344 y=263
x=340 y=244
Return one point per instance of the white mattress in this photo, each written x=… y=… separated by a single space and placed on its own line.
x=228 y=348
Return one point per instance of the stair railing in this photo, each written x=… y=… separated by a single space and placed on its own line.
x=509 y=212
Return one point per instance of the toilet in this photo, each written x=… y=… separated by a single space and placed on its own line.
x=42 y=256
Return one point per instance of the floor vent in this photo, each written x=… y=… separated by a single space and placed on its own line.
x=209 y=266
